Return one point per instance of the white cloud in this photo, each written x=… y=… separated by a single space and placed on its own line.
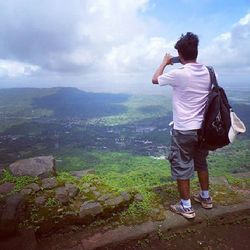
x=15 y=69
x=99 y=42
x=245 y=20
x=230 y=52
x=68 y=37
x=139 y=55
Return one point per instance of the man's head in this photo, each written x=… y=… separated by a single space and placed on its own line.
x=187 y=46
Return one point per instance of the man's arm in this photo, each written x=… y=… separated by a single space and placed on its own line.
x=166 y=61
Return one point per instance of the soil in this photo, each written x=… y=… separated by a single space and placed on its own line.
x=231 y=232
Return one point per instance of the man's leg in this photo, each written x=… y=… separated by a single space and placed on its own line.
x=203 y=197
x=184 y=189
x=182 y=167
x=184 y=207
x=203 y=179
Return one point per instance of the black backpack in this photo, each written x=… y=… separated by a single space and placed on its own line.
x=216 y=122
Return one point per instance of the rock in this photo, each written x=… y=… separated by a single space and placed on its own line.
x=114 y=201
x=70 y=213
x=24 y=240
x=219 y=180
x=26 y=191
x=82 y=173
x=6 y=187
x=62 y=195
x=85 y=185
x=154 y=212
x=49 y=183
x=35 y=187
x=104 y=197
x=86 y=191
x=40 y=200
x=242 y=175
x=42 y=166
x=1 y=171
x=90 y=208
x=72 y=189
x=11 y=213
x=139 y=197
x=84 y=197
x=125 y=196
x=96 y=194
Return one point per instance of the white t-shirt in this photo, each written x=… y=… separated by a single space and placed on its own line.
x=191 y=85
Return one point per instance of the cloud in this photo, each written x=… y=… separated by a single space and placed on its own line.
x=14 y=69
x=95 y=44
x=138 y=55
x=230 y=51
x=67 y=37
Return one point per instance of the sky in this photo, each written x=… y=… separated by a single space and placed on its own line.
x=116 y=45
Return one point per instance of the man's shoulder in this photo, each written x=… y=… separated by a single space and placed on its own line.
x=177 y=70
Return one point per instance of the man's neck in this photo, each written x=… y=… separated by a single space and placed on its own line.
x=189 y=61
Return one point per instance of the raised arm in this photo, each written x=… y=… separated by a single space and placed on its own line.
x=166 y=61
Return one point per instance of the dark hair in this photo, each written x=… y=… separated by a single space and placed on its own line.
x=187 y=46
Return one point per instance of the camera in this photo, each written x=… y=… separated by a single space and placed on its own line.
x=175 y=59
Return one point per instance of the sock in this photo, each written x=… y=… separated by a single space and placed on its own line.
x=204 y=194
x=186 y=203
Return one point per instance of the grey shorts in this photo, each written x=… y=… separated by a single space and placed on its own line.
x=185 y=156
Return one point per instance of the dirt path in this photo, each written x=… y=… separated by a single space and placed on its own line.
x=231 y=232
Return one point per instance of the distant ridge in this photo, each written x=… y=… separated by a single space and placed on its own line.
x=64 y=102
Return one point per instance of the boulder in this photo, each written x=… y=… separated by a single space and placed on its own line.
x=25 y=239
x=96 y=194
x=26 y=191
x=139 y=197
x=90 y=208
x=6 y=187
x=62 y=195
x=72 y=189
x=11 y=215
x=42 y=166
x=114 y=201
x=219 y=180
x=104 y=197
x=85 y=185
x=35 y=187
x=1 y=171
x=125 y=196
x=82 y=173
x=49 y=183
x=40 y=200
x=86 y=191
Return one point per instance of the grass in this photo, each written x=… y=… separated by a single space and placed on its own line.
x=19 y=181
x=231 y=159
x=124 y=171
x=138 y=108
x=116 y=172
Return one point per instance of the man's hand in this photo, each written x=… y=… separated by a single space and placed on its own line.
x=166 y=61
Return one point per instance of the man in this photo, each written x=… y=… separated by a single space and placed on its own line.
x=191 y=85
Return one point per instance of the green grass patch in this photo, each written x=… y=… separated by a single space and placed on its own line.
x=138 y=108
x=241 y=183
x=231 y=159
x=19 y=181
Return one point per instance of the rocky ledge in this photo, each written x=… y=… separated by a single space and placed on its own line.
x=54 y=200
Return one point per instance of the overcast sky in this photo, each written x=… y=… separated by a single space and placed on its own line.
x=116 y=45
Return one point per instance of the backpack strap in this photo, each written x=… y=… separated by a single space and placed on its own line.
x=213 y=78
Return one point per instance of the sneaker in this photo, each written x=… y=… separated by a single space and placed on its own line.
x=205 y=202
x=185 y=212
